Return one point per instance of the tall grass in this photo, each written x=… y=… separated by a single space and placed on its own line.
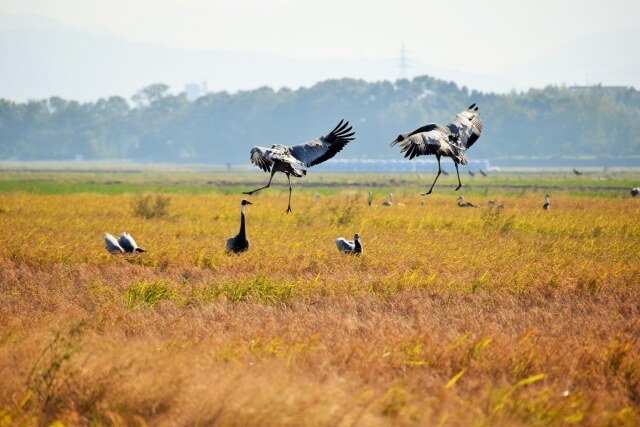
x=513 y=316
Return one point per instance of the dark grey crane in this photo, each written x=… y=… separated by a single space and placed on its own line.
x=576 y=171
x=239 y=243
x=282 y=158
x=483 y=173
x=546 y=206
x=635 y=191
x=451 y=140
x=350 y=246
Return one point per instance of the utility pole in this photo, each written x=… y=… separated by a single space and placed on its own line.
x=403 y=62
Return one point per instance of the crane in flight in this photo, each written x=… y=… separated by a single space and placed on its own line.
x=290 y=160
x=450 y=140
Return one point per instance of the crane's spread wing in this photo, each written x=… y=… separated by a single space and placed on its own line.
x=467 y=125
x=112 y=244
x=424 y=140
x=323 y=148
x=260 y=158
x=345 y=245
x=126 y=241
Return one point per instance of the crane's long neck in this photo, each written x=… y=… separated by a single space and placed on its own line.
x=242 y=232
x=357 y=246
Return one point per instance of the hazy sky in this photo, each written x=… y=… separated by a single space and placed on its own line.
x=487 y=35
x=488 y=45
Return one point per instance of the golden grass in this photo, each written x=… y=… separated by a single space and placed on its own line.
x=452 y=316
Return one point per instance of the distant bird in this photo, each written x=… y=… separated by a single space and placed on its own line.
x=350 y=246
x=546 y=205
x=576 y=171
x=471 y=173
x=388 y=202
x=239 y=243
x=491 y=203
x=370 y=198
x=483 y=173
x=129 y=244
x=451 y=140
x=463 y=204
x=112 y=244
x=282 y=158
x=635 y=191
x=444 y=172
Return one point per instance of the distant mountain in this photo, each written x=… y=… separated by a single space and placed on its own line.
x=43 y=58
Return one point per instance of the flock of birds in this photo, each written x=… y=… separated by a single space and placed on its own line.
x=451 y=140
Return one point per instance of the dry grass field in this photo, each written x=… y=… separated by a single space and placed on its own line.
x=452 y=316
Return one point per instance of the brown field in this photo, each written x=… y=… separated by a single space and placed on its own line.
x=451 y=317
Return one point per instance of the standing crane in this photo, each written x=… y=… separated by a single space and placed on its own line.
x=350 y=246
x=282 y=158
x=635 y=191
x=546 y=205
x=239 y=243
x=389 y=201
x=451 y=140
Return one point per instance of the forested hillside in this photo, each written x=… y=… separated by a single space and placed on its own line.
x=550 y=124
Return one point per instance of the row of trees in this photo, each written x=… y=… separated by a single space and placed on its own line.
x=155 y=125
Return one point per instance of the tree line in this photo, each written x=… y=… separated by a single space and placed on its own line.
x=551 y=124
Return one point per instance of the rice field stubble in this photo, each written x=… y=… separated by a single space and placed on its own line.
x=452 y=316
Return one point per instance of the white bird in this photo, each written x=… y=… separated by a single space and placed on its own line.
x=282 y=158
x=635 y=191
x=388 y=202
x=112 y=244
x=463 y=204
x=239 y=243
x=546 y=205
x=350 y=246
x=129 y=245
x=451 y=140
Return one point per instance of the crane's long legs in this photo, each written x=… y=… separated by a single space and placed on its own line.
x=434 y=181
x=289 y=207
x=459 y=183
x=273 y=171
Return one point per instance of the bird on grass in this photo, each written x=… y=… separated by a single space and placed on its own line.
x=483 y=173
x=124 y=244
x=350 y=246
x=463 y=204
x=451 y=140
x=635 y=191
x=388 y=202
x=239 y=243
x=576 y=171
x=370 y=198
x=285 y=159
x=546 y=205
x=471 y=173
